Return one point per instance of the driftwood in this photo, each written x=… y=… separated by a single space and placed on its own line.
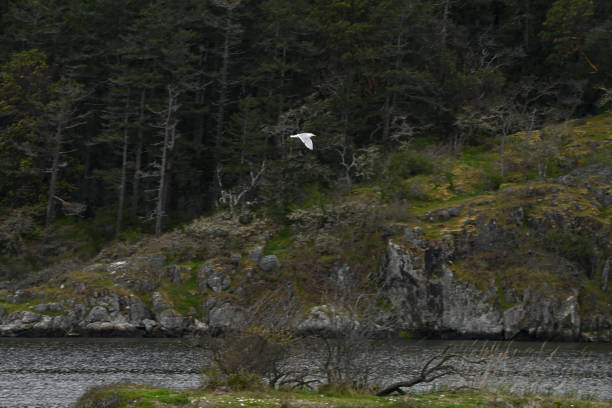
x=436 y=367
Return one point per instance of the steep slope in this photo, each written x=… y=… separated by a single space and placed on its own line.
x=468 y=257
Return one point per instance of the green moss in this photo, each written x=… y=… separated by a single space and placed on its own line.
x=185 y=297
x=314 y=195
x=194 y=264
x=475 y=156
x=571 y=246
x=17 y=307
x=473 y=272
x=593 y=300
x=406 y=335
x=280 y=243
x=502 y=300
x=130 y=235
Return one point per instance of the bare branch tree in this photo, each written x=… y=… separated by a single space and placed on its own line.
x=233 y=198
x=436 y=367
x=346 y=165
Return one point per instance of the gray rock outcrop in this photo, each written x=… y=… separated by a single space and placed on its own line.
x=269 y=263
x=226 y=316
x=426 y=297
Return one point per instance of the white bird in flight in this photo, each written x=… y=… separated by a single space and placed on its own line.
x=305 y=138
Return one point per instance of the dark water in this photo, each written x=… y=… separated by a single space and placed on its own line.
x=55 y=372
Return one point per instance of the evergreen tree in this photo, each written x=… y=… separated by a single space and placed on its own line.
x=25 y=83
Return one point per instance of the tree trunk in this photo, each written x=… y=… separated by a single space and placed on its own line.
x=223 y=80
x=444 y=30
x=138 y=158
x=389 y=106
x=169 y=135
x=124 y=162
x=55 y=166
x=526 y=27
x=502 y=158
x=443 y=40
x=245 y=123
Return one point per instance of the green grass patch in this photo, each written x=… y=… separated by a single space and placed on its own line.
x=17 y=307
x=280 y=243
x=194 y=264
x=314 y=195
x=130 y=235
x=476 y=156
x=145 y=396
x=185 y=297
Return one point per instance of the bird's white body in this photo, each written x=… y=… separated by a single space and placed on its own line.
x=305 y=138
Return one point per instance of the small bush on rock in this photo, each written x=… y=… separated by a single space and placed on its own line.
x=98 y=397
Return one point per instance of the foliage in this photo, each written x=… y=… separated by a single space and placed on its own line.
x=244 y=360
x=574 y=247
x=377 y=79
x=406 y=164
x=400 y=166
x=566 y=26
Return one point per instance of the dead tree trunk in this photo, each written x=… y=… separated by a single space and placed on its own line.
x=347 y=165
x=438 y=366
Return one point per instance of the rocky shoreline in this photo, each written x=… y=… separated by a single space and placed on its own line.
x=482 y=268
x=415 y=278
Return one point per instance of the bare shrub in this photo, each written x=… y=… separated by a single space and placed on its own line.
x=247 y=358
x=441 y=365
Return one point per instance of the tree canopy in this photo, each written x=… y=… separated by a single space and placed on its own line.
x=161 y=106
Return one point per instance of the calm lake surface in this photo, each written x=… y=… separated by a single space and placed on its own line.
x=55 y=372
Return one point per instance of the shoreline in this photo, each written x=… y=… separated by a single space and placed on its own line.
x=123 y=395
x=131 y=332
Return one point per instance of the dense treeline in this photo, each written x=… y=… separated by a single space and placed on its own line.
x=134 y=109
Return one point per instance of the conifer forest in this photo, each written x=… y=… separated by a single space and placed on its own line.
x=137 y=115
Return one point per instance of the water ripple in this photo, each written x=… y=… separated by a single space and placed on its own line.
x=53 y=373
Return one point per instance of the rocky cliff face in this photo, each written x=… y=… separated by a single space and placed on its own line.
x=429 y=299
x=529 y=261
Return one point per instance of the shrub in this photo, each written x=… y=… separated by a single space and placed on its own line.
x=98 y=397
x=406 y=164
x=491 y=180
x=242 y=360
x=369 y=162
x=403 y=165
x=573 y=247
x=247 y=381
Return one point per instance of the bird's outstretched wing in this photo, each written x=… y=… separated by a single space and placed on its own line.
x=305 y=138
